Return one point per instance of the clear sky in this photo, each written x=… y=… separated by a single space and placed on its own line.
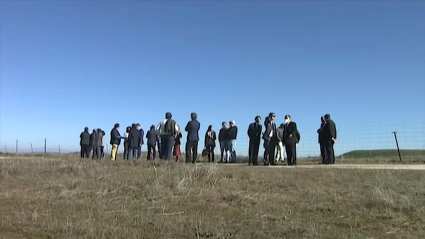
x=65 y=65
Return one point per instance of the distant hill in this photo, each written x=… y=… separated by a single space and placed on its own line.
x=378 y=153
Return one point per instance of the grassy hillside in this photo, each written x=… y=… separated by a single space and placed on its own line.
x=384 y=153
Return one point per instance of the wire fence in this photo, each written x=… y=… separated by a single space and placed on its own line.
x=354 y=139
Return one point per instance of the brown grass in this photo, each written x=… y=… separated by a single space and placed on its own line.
x=68 y=198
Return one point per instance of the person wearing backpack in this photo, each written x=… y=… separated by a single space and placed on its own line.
x=167 y=129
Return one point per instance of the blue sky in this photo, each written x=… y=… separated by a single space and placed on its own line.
x=66 y=65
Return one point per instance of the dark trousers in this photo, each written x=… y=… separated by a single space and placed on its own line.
x=191 y=151
x=211 y=154
x=151 y=152
x=93 y=150
x=85 y=151
x=322 y=152
x=291 y=153
x=102 y=152
x=97 y=152
x=167 y=142
x=271 y=151
x=329 y=153
x=139 y=151
x=133 y=151
x=125 y=156
x=254 y=147
x=160 y=150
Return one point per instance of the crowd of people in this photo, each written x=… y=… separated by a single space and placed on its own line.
x=166 y=137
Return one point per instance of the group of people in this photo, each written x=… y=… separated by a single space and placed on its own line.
x=166 y=139
x=94 y=142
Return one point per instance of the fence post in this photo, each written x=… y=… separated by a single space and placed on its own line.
x=396 y=142
x=45 y=147
x=59 y=149
x=5 y=149
x=32 y=151
x=16 y=148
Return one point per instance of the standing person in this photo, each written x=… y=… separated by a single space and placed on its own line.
x=167 y=129
x=280 y=153
x=98 y=139
x=142 y=142
x=290 y=139
x=232 y=134
x=126 y=134
x=152 y=137
x=222 y=139
x=115 y=141
x=321 y=139
x=134 y=141
x=192 y=129
x=329 y=137
x=93 y=143
x=270 y=140
x=177 y=143
x=85 y=143
x=102 y=152
x=254 y=134
x=210 y=138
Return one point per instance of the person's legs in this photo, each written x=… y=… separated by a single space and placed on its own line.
x=250 y=152
x=82 y=151
x=102 y=152
x=322 y=152
x=170 y=143
x=195 y=151
x=233 y=150
x=139 y=151
x=163 y=146
x=266 y=152
x=149 y=152
x=159 y=150
x=289 y=154
x=222 y=149
x=114 y=152
x=272 y=150
x=212 y=148
x=256 y=148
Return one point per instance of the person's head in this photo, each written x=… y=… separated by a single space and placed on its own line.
x=232 y=123
x=258 y=119
x=116 y=126
x=138 y=127
x=152 y=127
x=327 y=117
x=103 y=133
x=128 y=129
x=86 y=129
x=224 y=124
x=322 y=119
x=133 y=125
x=94 y=130
x=272 y=116
x=194 y=116
x=287 y=118
x=178 y=128
x=210 y=128
x=99 y=130
x=168 y=115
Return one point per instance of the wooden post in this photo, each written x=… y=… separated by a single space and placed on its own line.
x=45 y=145
x=59 y=149
x=32 y=151
x=396 y=142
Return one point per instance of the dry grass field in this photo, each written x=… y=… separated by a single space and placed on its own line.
x=45 y=197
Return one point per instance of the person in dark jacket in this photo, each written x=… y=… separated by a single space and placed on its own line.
x=142 y=141
x=93 y=143
x=152 y=137
x=134 y=141
x=127 y=132
x=321 y=139
x=115 y=141
x=290 y=140
x=223 y=141
x=232 y=134
x=98 y=139
x=210 y=138
x=329 y=138
x=85 y=143
x=254 y=134
x=192 y=129
x=270 y=139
